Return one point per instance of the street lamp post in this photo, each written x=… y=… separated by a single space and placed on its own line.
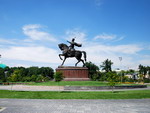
x=120 y=58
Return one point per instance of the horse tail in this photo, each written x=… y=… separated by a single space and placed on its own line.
x=84 y=55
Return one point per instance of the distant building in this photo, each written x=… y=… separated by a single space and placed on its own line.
x=2 y=66
x=133 y=76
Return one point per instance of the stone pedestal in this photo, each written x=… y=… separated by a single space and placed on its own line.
x=74 y=73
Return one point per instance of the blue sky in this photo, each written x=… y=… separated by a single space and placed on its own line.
x=30 y=31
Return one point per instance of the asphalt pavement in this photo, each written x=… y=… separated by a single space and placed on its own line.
x=53 y=88
x=74 y=106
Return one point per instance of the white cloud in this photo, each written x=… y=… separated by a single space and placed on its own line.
x=80 y=36
x=21 y=65
x=105 y=36
x=4 y=41
x=121 y=38
x=33 y=32
x=33 y=54
x=98 y=53
x=125 y=49
x=145 y=62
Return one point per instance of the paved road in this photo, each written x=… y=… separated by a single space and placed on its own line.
x=52 y=88
x=31 y=88
x=75 y=106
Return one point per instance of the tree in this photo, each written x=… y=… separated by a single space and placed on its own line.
x=34 y=78
x=148 y=69
x=26 y=74
x=33 y=71
x=47 y=72
x=106 y=65
x=93 y=70
x=112 y=79
x=58 y=76
x=40 y=78
x=16 y=76
x=140 y=78
x=143 y=70
x=2 y=75
x=23 y=71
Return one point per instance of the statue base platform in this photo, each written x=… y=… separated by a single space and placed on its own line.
x=74 y=73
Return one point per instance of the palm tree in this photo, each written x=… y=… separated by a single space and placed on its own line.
x=106 y=65
x=148 y=69
x=143 y=70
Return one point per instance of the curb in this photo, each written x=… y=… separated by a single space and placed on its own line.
x=102 y=87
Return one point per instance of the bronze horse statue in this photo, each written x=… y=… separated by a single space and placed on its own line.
x=66 y=52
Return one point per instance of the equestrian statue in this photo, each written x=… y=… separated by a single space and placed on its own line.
x=69 y=51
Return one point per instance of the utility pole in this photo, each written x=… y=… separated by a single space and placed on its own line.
x=120 y=59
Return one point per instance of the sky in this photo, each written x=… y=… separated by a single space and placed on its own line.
x=30 y=31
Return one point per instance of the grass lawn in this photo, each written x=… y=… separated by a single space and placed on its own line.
x=71 y=83
x=148 y=84
x=137 y=94
x=75 y=83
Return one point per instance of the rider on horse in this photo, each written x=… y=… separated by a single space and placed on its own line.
x=69 y=51
x=71 y=47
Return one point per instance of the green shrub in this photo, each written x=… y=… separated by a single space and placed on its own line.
x=26 y=79
x=33 y=78
x=46 y=79
x=40 y=78
x=146 y=80
x=58 y=76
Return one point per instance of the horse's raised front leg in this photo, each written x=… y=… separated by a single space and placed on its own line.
x=63 y=61
x=60 y=56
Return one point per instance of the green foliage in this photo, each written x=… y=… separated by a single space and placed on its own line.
x=26 y=79
x=106 y=65
x=112 y=79
x=46 y=79
x=140 y=78
x=146 y=80
x=58 y=76
x=95 y=77
x=125 y=79
x=39 y=78
x=103 y=76
x=93 y=70
x=2 y=75
x=148 y=69
x=143 y=70
x=33 y=78
x=46 y=72
x=16 y=74
x=33 y=71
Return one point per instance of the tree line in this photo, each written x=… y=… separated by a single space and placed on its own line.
x=36 y=74
x=17 y=74
x=107 y=74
